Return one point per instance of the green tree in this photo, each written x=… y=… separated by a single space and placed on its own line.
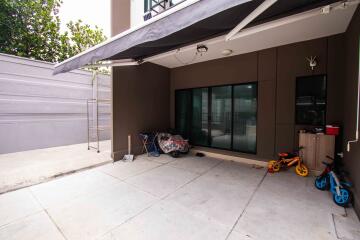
x=31 y=28
x=78 y=38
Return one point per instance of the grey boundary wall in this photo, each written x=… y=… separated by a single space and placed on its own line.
x=40 y=110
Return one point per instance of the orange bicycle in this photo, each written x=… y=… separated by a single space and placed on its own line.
x=287 y=160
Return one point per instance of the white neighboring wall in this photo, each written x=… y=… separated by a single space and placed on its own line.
x=39 y=110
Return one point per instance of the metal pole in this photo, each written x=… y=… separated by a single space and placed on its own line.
x=88 y=123
x=357 y=110
x=97 y=110
x=97 y=125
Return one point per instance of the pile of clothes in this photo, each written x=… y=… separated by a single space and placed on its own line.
x=172 y=144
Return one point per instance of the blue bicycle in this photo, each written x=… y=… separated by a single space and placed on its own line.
x=328 y=180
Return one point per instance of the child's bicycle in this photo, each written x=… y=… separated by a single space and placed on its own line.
x=287 y=160
x=328 y=180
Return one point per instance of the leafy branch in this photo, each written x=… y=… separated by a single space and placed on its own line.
x=31 y=28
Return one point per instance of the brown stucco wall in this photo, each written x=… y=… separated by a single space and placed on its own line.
x=275 y=70
x=141 y=93
x=140 y=103
x=352 y=158
x=291 y=63
x=120 y=16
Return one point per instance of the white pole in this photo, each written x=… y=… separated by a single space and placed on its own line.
x=129 y=144
x=357 y=109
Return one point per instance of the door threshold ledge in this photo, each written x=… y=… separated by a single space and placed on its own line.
x=230 y=157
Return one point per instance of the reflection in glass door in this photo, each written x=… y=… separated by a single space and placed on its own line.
x=199 y=116
x=182 y=114
x=245 y=109
x=221 y=117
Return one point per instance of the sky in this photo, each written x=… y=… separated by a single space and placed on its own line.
x=93 y=12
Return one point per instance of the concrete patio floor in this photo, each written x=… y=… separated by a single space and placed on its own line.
x=21 y=169
x=164 y=198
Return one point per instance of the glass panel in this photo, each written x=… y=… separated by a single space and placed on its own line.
x=146 y=6
x=221 y=117
x=311 y=100
x=174 y=2
x=245 y=110
x=182 y=114
x=199 y=126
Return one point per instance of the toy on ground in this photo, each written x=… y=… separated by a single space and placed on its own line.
x=329 y=180
x=287 y=160
x=173 y=144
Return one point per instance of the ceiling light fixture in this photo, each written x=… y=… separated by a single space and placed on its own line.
x=227 y=52
x=325 y=10
x=201 y=48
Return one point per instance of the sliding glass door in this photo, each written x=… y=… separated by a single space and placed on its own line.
x=182 y=114
x=221 y=117
x=200 y=115
x=245 y=111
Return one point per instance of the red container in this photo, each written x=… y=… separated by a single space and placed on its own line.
x=332 y=130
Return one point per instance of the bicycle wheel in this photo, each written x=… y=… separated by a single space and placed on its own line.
x=301 y=170
x=343 y=199
x=322 y=183
x=274 y=166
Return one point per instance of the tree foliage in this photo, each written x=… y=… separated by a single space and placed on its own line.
x=80 y=37
x=31 y=28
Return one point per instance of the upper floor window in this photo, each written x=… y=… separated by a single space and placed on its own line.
x=154 y=7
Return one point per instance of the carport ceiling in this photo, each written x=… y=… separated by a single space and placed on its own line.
x=317 y=26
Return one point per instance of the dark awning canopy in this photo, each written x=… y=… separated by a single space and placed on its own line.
x=202 y=20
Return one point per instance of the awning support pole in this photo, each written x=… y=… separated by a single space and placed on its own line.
x=260 y=9
x=295 y=18
x=113 y=64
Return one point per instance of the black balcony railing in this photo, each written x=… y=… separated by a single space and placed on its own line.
x=155 y=7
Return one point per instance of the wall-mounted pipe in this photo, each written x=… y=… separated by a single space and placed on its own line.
x=357 y=109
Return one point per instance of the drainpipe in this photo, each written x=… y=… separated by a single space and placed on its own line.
x=357 y=111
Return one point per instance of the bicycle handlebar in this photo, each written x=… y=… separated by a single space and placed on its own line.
x=326 y=164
